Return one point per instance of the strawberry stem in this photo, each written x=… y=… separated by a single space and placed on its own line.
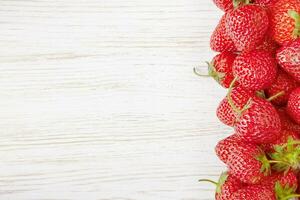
x=296 y=16
x=278 y=161
x=208 y=180
x=279 y=94
x=230 y=101
x=198 y=74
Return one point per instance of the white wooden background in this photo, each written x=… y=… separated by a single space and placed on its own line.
x=98 y=100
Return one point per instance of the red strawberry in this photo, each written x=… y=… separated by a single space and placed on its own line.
x=240 y=97
x=226 y=146
x=226 y=186
x=293 y=107
x=286 y=121
x=260 y=123
x=288 y=57
x=288 y=179
x=256 y=70
x=284 y=137
x=247 y=162
x=247 y=26
x=285 y=20
x=254 y=192
x=283 y=83
x=220 y=41
x=224 y=5
x=278 y=186
x=221 y=68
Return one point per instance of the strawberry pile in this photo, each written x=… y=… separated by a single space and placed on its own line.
x=258 y=62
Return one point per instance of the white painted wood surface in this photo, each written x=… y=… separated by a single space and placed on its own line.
x=98 y=100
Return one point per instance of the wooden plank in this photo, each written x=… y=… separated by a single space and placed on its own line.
x=98 y=100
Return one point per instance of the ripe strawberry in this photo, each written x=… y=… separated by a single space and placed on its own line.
x=254 y=192
x=256 y=70
x=220 y=68
x=277 y=186
x=220 y=41
x=260 y=123
x=226 y=146
x=284 y=137
x=285 y=20
x=286 y=121
x=247 y=162
x=247 y=26
x=293 y=106
x=224 y=5
x=226 y=186
x=283 y=83
x=240 y=97
x=288 y=56
x=288 y=179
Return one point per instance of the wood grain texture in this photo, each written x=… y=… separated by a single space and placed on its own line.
x=98 y=100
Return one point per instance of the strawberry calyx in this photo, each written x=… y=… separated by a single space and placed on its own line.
x=261 y=94
x=265 y=164
x=286 y=156
x=223 y=178
x=296 y=16
x=212 y=72
x=237 y=3
x=285 y=192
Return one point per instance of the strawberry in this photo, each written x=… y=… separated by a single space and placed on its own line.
x=278 y=186
x=260 y=123
x=284 y=137
x=286 y=121
x=288 y=56
x=224 y=5
x=247 y=26
x=220 y=68
x=254 y=192
x=226 y=186
x=285 y=20
x=239 y=97
x=283 y=83
x=226 y=146
x=293 y=106
x=220 y=41
x=288 y=179
x=255 y=70
x=247 y=162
